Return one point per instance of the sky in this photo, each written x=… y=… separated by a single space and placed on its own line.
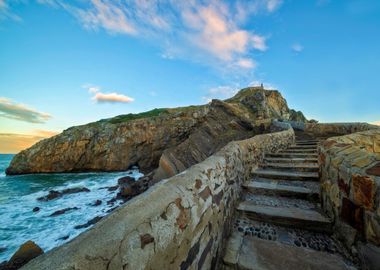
x=65 y=63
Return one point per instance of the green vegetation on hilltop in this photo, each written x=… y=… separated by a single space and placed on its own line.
x=152 y=113
x=133 y=116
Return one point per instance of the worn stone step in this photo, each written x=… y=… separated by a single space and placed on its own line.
x=291 y=160
x=300 y=151
x=303 y=147
x=277 y=188
x=286 y=175
x=302 y=167
x=306 y=143
x=308 y=219
x=251 y=253
x=293 y=155
x=315 y=186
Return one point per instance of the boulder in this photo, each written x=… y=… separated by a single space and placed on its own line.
x=26 y=252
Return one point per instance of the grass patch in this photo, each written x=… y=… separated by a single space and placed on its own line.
x=133 y=116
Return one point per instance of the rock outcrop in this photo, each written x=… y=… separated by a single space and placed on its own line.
x=171 y=139
x=26 y=252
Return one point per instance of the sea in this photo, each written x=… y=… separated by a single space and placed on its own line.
x=18 y=197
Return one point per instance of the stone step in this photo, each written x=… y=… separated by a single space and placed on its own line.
x=315 y=186
x=278 y=188
x=291 y=160
x=294 y=217
x=251 y=253
x=286 y=175
x=306 y=143
x=303 y=147
x=301 y=167
x=293 y=155
x=300 y=151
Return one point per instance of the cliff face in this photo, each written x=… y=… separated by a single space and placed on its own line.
x=170 y=139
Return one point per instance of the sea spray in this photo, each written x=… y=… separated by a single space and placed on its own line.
x=18 y=197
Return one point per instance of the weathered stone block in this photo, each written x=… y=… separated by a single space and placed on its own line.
x=374 y=170
x=364 y=189
x=362 y=161
x=372 y=227
x=352 y=214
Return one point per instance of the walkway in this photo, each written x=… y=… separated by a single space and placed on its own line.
x=280 y=224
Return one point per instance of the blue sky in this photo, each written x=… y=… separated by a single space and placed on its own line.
x=65 y=63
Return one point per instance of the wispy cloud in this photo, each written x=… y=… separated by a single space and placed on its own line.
x=210 y=32
x=297 y=47
x=13 y=143
x=12 y=110
x=106 y=14
x=111 y=97
x=6 y=12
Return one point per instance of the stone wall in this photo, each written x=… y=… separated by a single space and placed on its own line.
x=350 y=179
x=336 y=129
x=180 y=223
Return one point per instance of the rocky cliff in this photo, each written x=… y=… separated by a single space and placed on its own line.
x=170 y=140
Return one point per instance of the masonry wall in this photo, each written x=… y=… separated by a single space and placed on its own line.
x=180 y=223
x=350 y=181
x=336 y=129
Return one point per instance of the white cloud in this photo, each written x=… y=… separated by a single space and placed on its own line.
x=246 y=63
x=108 y=15
x=213 y=32
x=297 y=47
x=376 y=123
x=210 y=32
x=112 y=97
x=10 y=109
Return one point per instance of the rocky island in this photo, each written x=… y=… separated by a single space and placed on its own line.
x=163 y=142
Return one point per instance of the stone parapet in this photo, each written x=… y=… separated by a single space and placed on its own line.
x=180 y=223
x=350 y=181
x=336 y=129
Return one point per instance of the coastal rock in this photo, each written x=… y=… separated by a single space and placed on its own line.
x=36 y=209
x=54 y=194
x=26 y=252
x=129 y=187
x=172 y=139
x=96 y=203
x=88 y=223
x=62 y=211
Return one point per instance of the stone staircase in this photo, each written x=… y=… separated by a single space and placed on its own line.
x=279 y=222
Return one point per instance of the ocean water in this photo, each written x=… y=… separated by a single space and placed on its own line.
x=18 y=197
